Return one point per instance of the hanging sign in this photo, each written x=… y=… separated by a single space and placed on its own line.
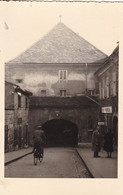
x=100 y=123
x=107 y=109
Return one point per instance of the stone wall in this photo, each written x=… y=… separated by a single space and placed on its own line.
x=78 y=115
x=16 y=120
x=9 y=129
x=9 y=96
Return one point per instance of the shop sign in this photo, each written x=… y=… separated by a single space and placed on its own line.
x=107 y=109
x=101 y=123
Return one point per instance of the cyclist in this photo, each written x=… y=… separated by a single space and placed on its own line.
x=39 y=140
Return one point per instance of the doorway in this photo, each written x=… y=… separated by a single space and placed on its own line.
x=115 y=129
x=19 y=144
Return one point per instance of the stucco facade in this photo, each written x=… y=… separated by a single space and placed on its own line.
x=46 y=78
x=60 y=64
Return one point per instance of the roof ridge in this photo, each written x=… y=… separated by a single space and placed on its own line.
x=77 y=34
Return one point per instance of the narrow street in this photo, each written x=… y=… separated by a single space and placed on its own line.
x=57 y=163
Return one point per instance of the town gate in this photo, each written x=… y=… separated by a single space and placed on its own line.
x=65 y=120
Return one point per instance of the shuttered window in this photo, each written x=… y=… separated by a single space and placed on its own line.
x=63 y=93
x=62 y=75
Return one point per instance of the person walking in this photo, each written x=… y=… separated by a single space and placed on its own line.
x=108 y=143
x=96 y=142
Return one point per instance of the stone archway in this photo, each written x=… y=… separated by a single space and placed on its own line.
x=115 y=129
x=60 y=132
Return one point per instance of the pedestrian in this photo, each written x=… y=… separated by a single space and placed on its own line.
x=96 y=142
x=108 y=143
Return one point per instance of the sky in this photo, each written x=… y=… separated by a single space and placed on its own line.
x=24 y=23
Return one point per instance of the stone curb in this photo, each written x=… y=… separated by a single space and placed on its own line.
x=93 y=172
x=17 y=158
x=84 y=163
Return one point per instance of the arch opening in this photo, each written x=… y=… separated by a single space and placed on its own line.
x=60 y=132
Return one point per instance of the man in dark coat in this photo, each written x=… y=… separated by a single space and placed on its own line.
x=96 y=142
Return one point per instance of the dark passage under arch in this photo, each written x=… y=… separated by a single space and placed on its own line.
x=61 y=132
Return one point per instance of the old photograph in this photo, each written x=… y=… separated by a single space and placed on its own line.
x=61 y=90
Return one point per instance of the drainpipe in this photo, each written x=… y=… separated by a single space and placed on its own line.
x=86 y=79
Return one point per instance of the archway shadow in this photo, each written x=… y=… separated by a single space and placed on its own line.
x=60 y=132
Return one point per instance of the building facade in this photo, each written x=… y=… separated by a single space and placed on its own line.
x=56 y=115
x=60 y=64
x=107 y=84
x=60 y=72
x=16 y=117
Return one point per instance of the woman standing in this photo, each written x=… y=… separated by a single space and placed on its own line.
x=108 y=143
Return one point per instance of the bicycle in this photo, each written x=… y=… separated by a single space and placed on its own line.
x=37 y=156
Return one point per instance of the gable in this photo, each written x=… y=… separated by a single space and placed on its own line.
x=61 y=45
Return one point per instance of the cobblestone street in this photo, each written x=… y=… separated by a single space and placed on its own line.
x=57 y=163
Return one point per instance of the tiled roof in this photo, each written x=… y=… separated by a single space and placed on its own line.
x=61 y=45
x=18 y=89
x=108 y=59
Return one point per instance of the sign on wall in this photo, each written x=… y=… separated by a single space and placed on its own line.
x=100 y=123
x=107 y=109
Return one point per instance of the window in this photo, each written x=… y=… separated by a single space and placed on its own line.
x=62 y=75
x=6 y=137
x=107 y=87
x=19 y=120
x=100 y=91
x=103 y=93
x=110 y=88
x=19 y=101
x=26 y=102
x=63 y=93
x=90 y=92
x=114 y=88
x=26 y=135
x=20 y=137
x=43 y=92
x=103 y=88
x=114 y=83
x=15 y=137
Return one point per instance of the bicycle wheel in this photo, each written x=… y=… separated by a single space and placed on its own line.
x=35 y=159
x=40 y=158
